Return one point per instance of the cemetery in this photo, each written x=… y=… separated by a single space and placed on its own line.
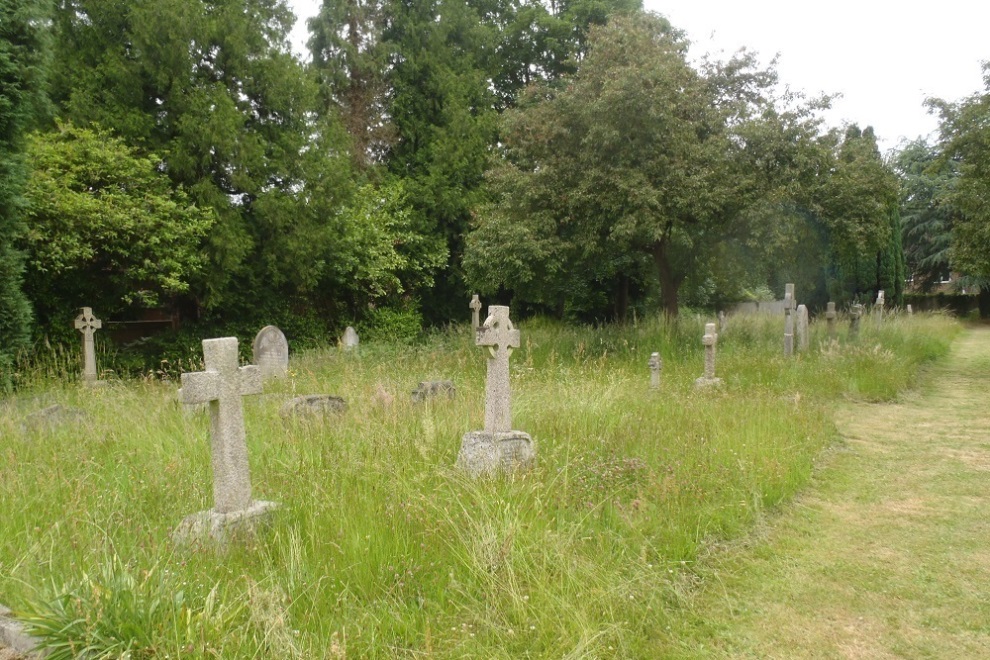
x=399 y=525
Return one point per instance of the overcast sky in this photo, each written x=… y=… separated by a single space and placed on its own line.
x=884 y=57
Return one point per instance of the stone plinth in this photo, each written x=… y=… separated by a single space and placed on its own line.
x=220 y=527
x=485 y=453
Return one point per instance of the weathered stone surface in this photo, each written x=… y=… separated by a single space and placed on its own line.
x=854 y=315
x=350 y=339
x=313 y=406
x=709 y=340
x=222 y=385
x=656 y=366
x=722 y=321
x=270 y=352
x=475 y=306
x=802 y=328
x=488 y=454
x=87 y=324
x=880 y=304
x=830 y=317
x=910 y=312
x=52 y=417
x=500 y=336
x=221 y=527
x=13 y=638
x=431 y=389
x=789 y=307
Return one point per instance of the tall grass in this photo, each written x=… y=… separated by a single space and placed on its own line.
x=382 y=548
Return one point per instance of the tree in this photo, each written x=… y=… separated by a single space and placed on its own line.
x=638 y=156
x=24 y=51
x=105 y=226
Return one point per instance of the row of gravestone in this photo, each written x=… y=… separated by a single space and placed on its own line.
x=494 y=449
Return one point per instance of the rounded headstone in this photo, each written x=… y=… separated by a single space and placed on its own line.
x=271 y=352
x=350 y=339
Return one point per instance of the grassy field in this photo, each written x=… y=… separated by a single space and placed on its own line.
x=381 y=548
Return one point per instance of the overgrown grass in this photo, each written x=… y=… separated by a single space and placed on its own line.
x=382 y=549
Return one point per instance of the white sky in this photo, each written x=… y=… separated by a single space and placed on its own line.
x=884 y=57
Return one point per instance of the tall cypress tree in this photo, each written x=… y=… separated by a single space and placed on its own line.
x=23 y=64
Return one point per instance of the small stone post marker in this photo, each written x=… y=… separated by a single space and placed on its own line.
x=709 y=340
x=222 y=385
x=854 y=314
x=656 y=365
x=830 y=321
x=498 y=447
x=475 y=312
x=788 y=320
x=802 y=327
x=722 y=323
x=910 y=312
x=879 y=305
x=87 y=324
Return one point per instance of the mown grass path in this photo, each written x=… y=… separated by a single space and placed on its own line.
x=887 y=555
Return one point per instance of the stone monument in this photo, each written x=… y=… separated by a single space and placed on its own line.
x=879 y=305
x=222 y=385
x=802 y=327
x=788 y=320
x=87 y=324
x=854 y=314
x=498 y=448
x=830 y=316
x=270 y=352
x=722 y=322
x=475 y=312
x=910 y=312
x=656 y=366
x=709 y=340
x=350 y=340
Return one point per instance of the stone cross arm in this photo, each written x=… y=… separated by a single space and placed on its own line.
x=86 y=321
x=206 y=386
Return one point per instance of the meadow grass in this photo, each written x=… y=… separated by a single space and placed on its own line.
x=381 y=547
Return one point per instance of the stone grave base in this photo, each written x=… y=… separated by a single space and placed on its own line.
x=704 y=382
x=217 y=526
x=483 y=453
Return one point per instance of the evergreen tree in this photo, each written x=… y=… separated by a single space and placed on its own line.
x=24 y=48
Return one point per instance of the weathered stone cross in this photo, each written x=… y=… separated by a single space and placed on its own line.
x=709 y=341
x=499 y=335
x=222 y=385
x=475 y=311
x=789 y=306
x=87 y=324
x=655 y=364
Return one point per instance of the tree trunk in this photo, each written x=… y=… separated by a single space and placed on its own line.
x=669 y=282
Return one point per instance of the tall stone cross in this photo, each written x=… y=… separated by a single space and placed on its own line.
x=475 y=312
x=880 y=303
x=500 y=337
x=854 y=314
x=222 y=385
x=830 y=320
x=656 y=365
x=87 y=324
x=789 y=307
x=710 y=340
x=802 y=327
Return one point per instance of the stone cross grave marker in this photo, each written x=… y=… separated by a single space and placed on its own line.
x=802 y=327
x=830 y=320
x=498 y=447
x=656 y=366
x=500 y=336
x=709 y=340
x=222 y=385
x=722 y=322
x=879 y=305
x=87 y=324
x=854 y=314
x=788 y=320
x=270 y=352
x=475 y=312
x=910 y=312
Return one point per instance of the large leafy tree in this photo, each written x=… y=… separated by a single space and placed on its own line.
x=24 y=50
x=105 y=227
x=640 y=158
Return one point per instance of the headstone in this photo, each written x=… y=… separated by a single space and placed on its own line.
x=721 y=321
x=270 y=352
x=879 y=305
x=709 y=340
x=431 y=389
x=475 y=312
x=788 y=320
x=350 y=340
x=910 y=312
x=222 y=385
x=854 y=314
x=830 y=317
x=313 y=406
x=87 y=324
x=498 y=448
x=802 y=327
x=656 y=366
